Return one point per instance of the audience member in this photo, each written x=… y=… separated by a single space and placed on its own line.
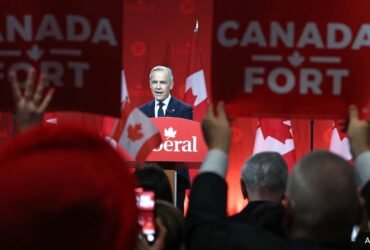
x=161 y=82
x=62 y=187
x=322 y=200
x=31 y=105
x=263 y=181
x=173 y=220
x=152 y=177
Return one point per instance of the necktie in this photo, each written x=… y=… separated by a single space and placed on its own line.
x=160 y=110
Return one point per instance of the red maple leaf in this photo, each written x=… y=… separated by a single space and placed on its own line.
x=276 y=129
x=134 y=132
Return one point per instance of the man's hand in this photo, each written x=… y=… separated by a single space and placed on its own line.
x=358 y=133
x=31 y=106
x=216 y=128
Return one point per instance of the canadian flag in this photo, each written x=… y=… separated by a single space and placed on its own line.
x=195 y=87
x=276 y=135
x=134 y=132
x=339 y=143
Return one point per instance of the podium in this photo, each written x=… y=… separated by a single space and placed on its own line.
x=182 y=141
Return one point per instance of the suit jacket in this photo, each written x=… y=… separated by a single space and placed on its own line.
x=175 y=108
x=179 y=109
x=267 y=215
x=207 y=225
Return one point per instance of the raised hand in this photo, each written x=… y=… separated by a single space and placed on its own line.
x=358 y=132
x=31 y=105
x=216 y=128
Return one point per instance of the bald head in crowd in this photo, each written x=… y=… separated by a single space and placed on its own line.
x=264 y=177
x=323 y=199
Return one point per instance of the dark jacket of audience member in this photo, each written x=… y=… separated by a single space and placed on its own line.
x=322 y=209
x=263 y=181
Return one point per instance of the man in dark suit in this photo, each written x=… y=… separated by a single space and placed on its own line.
x=263 y=181
x=322 y=203
x=164 y=105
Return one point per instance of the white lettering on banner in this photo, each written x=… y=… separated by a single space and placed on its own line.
x=253 y=35
x=178 y=146
x=14 y=26
x=49 y=28
x=283 y=80
x=310 y=80
x=76 y=23
x=336 y=29
x=336 y=36
x=77 y=29
x=53 y=72
x=221 y=34
x=310 y=36
x=286 y=36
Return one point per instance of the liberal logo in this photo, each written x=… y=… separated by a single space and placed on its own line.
x=170 y=133
x=171 y=144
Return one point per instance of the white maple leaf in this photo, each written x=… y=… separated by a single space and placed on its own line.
x=170 y=133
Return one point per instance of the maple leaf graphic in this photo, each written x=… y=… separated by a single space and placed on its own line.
x=170 y=133
x=134 y=132
x=276 y=129
x=342 y=135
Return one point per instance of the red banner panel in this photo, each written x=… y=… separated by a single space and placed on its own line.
x=182 y=141
x=77 y=45
x=306 y=58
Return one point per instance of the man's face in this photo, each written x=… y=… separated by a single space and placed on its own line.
x=160 y=84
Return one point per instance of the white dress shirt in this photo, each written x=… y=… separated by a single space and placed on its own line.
x=216 y=162
x=164 y=107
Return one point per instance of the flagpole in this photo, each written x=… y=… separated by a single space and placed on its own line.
x=312 y=123
x=196 y=25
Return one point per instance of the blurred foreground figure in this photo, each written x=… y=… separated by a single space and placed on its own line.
x=63 y=188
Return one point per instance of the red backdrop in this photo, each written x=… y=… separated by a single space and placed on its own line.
x=160 y=32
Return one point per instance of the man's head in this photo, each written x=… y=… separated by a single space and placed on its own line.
x=161 y=82
x=264 y=177
x=323 y=203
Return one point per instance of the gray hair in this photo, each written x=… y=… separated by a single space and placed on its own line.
x=162 y=68
x=266 y=170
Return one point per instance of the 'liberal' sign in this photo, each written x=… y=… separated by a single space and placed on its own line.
x=182 y=141
x=292 y=58
x=75 y=44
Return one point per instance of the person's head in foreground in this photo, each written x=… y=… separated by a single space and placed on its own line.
x=173 y=220
x=264 y=177
x=62 y=188
x=323 y=203
x=151 y=177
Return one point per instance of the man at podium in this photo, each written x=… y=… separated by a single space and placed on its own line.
x=164 y=105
